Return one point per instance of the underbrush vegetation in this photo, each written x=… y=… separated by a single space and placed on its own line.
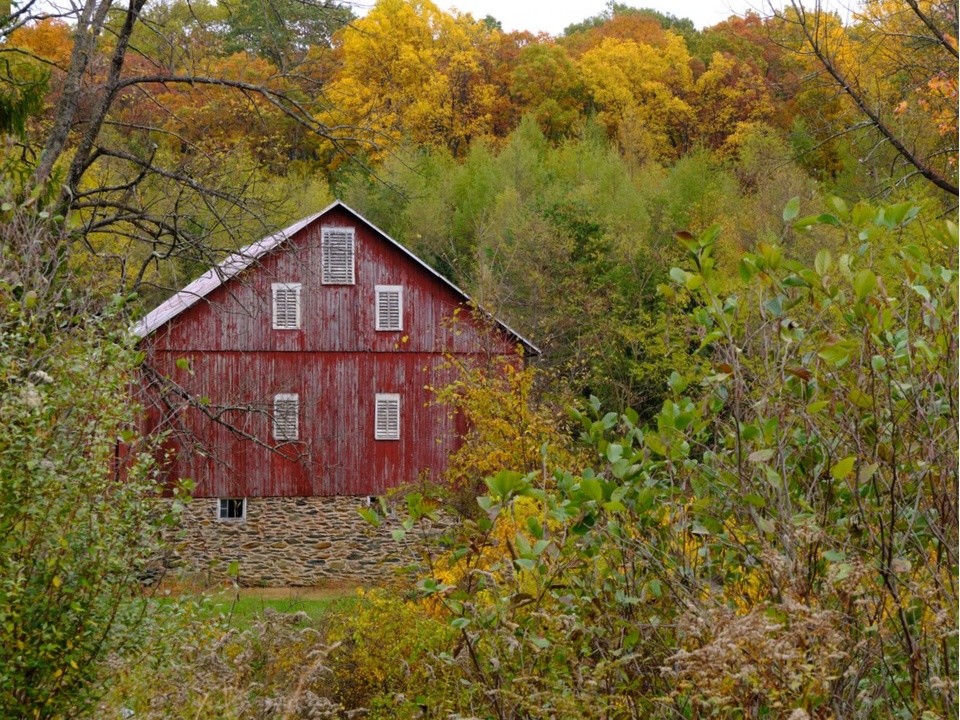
x=367 y=650
x=780 y=541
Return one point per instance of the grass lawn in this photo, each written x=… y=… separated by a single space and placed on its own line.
x=241 y=606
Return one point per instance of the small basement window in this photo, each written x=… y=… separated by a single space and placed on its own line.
x=232 y=509
x=286 y=417
x=389 y=307
x=387 y=420
x=286 y=306
x=337 y=251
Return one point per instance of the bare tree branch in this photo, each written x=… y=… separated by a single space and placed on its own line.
x=812 y=26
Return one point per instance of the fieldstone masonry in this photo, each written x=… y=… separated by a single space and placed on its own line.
x=287 y=541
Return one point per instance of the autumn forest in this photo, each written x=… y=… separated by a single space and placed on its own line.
x=727 y=488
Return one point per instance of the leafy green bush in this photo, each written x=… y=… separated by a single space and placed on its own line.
x=780 y=542
x=382 y=653
x=76 y=529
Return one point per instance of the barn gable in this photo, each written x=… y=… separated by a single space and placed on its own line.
x=288 y=256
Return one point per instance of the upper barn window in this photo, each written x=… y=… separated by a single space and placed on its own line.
x=286 y=306
x=337 y=253
x=389 y=307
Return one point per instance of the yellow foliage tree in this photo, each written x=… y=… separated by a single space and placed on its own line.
x=505 y=428
x=638 y=91
x=410 y=70
x=730 y=95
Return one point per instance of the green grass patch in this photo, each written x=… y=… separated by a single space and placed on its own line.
x=240 y=611
x=241 y=607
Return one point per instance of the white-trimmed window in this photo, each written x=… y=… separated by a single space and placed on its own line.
x=286 y=417
x=389 y=307
x=337 y=251
x=387 y=420
x=286 y=306
x=232 y=509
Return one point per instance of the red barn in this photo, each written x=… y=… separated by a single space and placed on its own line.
x=293 y=382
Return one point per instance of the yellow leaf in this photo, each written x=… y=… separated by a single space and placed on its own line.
x=843 y=468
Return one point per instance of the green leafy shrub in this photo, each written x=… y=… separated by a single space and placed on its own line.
x=383 y=653
x=77 y=527
x=780 y=542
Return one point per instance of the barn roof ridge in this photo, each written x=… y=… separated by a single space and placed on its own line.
x=247 y=256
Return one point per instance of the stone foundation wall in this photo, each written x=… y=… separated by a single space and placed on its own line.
x=290 y=542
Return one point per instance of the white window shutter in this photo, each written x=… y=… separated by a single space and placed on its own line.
x=286 y=306
x=337 y=254
x=387 y=420
x=286 y=417
x=389 y=307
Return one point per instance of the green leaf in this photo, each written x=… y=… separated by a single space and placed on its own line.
x=592 y=489
x=863 y=283
x=653 y=587
x=791 y=209
x=767 y=527
x=759 y=456
x=754 y=500
x=823 y=262
x=370 y=516
x=677 y=382
x=614 y=452
x=506 y=483
x=843 y=571
x=839 y=205
x=867 y=472
x=843 y=468
x=837 y=355
x=774 y=306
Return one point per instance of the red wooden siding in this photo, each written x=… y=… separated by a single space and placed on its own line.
x=230 y=356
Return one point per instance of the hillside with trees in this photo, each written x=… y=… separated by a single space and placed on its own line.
x=735 y=494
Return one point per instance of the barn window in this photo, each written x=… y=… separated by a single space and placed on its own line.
x=337 y=255
x=387 y=420
x=286 y=417
x=286 y=306
x=389 y=307
x=232 y=509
